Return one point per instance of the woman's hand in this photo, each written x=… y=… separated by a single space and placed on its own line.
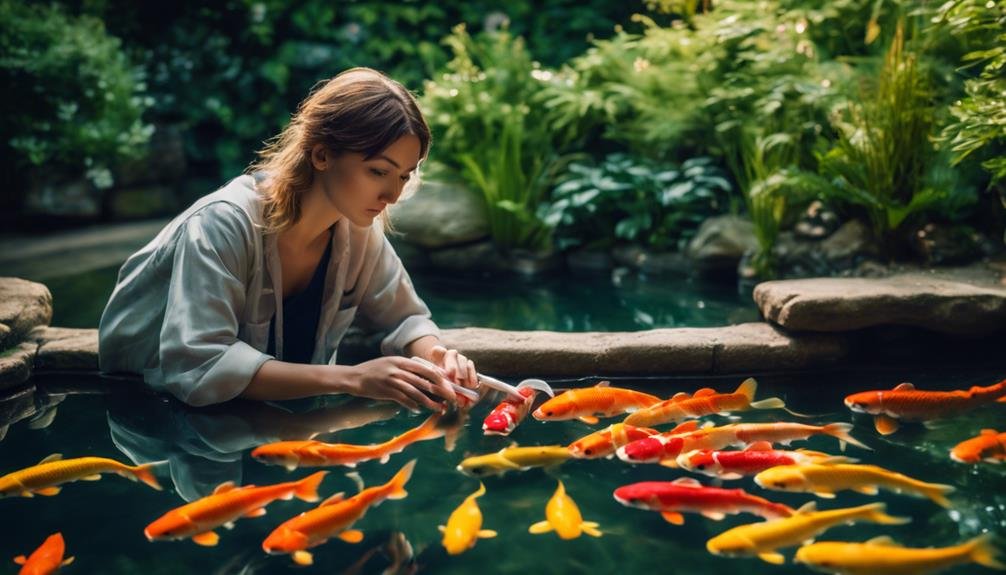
x=459 y=368
x=402 y=380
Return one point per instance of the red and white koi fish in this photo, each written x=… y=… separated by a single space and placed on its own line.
x=905 y=403
x=703 y=402
x=48 y=558
x=989 y=446
x=604 y=443
x=510 y=412
x=293 y=454
x=664 y=448
x=45 y=478
x=587 y=403
x=671 y=498
x=333 y=518
x=757 y=457
x=227 y=504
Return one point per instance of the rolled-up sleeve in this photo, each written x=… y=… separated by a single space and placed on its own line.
x=202 y=361
x=390 y=301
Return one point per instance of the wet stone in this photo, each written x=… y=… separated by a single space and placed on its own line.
x=23 y=306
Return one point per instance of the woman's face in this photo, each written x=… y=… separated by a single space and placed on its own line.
x=361 y=189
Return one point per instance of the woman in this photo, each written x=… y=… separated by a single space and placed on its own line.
x=249 y=291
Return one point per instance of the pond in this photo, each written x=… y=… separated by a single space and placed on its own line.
x=103 y=521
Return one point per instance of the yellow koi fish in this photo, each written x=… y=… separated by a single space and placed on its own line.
x=44 y=478
x=464 y=526
x=563 y=516
x=825 y=480
x=881 y=556
x=763 y=539
x=514 y=459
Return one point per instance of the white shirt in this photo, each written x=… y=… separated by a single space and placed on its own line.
x=191 y=309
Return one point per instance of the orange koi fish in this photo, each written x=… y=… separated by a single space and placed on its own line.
x=227 y=504
x=882 y=556
x=48 y=558
x=906 y=403
x=825 y=480
x=333 y=518
x=563 y=516
x=703 y=402
x=587 y=403
x=464 y=526
x=604 y=443
x=989 y=446
x=670 y=498
x=44 y=478
x=293 y=454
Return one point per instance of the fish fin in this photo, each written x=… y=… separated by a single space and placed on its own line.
x=866 y=489
x=704 y=392
x=938 y=492
x=385 y=458
x=398 y=482
x=307 y=488
x=669 y=462
x=224 y=487
x=441 y=528
x=540 y=527
x=759 y=446
x=95 y=477
x=883 y=541
x=809 y=507
x=904 y=387
x=49 y=491
x=355 y=476
x=26 y=494
x=229 y=525
x=769 y=403
x=688 y=481
x=20 y=559
x=604 y=383
x=144 y=473
x=714 y=515
x=43 y=420
x=1001 y=399
x=748 y=388
x=708 y=425
x=984 y=552
x=686 y=427
x=679 y=396
x=729 y=476
x=825 y=494
x=840 y=431
x=68 y=561
x=53 y=457
x=591 y=528
x=256 y=512
x=290 y=466
x=351 y=535
x=885 y=425
x=588 y=419
x=486 y=534
x=206 y=539
x=990 y=431
x=773 y=558
x=303 y=558
x=340 y=496
x=673 y=517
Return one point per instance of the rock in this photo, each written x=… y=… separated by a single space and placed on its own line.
x=62 y=348
x=652 y=262
x=480 y=256
x=940 y=244
x=816 y=222
x=589 y=260
x=845 y=304
x=721 y=242
x=16 y=364
x=849 y=245
x=23 y=306
x=440 y=215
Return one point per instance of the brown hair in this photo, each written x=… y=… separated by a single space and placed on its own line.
x=361 y=110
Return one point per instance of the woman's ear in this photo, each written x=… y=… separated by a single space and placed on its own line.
x=320 y=157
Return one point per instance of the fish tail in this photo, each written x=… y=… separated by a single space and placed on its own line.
x=841 y=432
x=480 y=492
x=985 y=553
x=397 y=484
x=938 y=492
x=144 y=474
x=877 y=513
x=748 y=388
x=307 y=488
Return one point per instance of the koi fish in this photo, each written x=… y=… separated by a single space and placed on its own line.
x=664 y=448
x=293 y=454
x=757 y=457
x=563 y=516
x=882 y=556
x=587 y=403
x=825 y=480
x=464 y=526
x=905 y=403
x=670 y=498
x=989 y=446
x=44 y=478
x=333 y=518
x=48 y=558
x=765 y=538
x=703 y=402
x=514 y=459
x=604 y=443
x=227 y=504
x=509 y=413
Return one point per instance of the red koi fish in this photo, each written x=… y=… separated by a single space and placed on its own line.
x=670 y=498
x=48 y=558
x=703 y=402
x=587 y=403
x=905 y=403
x=509 y=413
x=664 y=448
x=604 y=443
x=989 y=446
x=755 y=458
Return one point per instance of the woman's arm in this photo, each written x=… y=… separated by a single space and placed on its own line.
x=458 y=367
x=278 y=380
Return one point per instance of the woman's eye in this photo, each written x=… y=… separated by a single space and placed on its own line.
x=379 y=173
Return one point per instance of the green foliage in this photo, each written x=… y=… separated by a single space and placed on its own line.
x=78 y=99
x=635 y=201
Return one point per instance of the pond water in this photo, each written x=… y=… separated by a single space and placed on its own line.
x=573 y=302
x=103 y=521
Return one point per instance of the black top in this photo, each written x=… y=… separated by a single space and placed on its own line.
x=301 y=313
